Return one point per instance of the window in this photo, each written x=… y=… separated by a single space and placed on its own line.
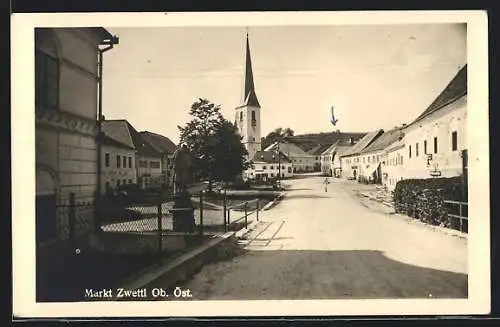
x=282 y=167
x=46 y=81
x=254 y=120
x=435 y=145
x=124 y=181
x=373 y=158
x=409 y=151
x=241 y=115
x=124 y=162
x=130 y=181
x=106 y=159
x=264 y=167
x=272 y=167
x=364 y=160
x=143 y=163
x=154 y=164
x=272 y=175
x=425 y=147
x=416 y=150
x=117 y=183
x=118 y=161
x=454 y=141
x=129 y=162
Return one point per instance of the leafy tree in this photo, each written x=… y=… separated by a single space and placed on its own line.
x=277 y=134
x=212 y=140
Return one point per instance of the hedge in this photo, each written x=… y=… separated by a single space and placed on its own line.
x=423 y=198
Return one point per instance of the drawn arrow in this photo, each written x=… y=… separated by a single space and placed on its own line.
x=333 y=120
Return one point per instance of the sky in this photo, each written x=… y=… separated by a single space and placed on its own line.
x=376 y=76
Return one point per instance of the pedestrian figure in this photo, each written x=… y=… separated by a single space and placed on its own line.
x=326 y=182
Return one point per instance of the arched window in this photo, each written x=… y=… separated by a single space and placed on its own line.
x=46 y=70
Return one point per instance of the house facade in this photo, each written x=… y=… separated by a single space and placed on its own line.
x=148 y=160
x=166 y=147
x=393 y=161
x=351 y=160
x=267 y=166
x=66 y=82
x=301 y=161
x=118 y=165
x=371 y=158
x=326 y=160
x=436 y=142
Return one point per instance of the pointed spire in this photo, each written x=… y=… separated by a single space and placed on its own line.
x=250 y=98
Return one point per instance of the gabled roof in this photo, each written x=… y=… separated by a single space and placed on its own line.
x=161 y=143
x=289 y=149
x=364 y=142
x=330 y=149
x=270 y=157
x=122 y=131
x=384 y=140
x=456 y=89
x=319 y=149
x=112 y=142
x=337 y=146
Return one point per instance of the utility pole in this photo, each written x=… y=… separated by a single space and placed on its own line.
x=279 y=165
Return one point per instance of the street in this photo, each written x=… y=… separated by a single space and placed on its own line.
x=327 y=245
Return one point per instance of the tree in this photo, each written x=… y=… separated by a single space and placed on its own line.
x=212 y=140
x=277 y=134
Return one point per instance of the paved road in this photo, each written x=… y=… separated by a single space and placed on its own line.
x=317 y=245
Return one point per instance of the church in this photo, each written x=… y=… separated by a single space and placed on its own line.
x=265 y=165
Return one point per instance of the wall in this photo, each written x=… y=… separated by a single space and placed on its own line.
x=367 y=160
x=327 y=163
x=251 y=134
x=393 y=167
x=112 y=173
x=441 y=125
x=66 y=149
x=147 y=174
x=258 y=168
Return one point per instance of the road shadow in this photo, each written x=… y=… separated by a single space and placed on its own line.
x=304 y=196
x=300 y=275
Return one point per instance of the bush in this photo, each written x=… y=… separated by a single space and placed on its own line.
x=423 y=198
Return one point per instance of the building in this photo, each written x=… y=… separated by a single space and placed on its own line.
x=351 y=160
x=66 y=98
x=266 y=165
x=247 y=115
x=317 y=151
x=118 y=164
x=301 y=161
x=371 y=157
x=393 y=161
x=166 y=147
x=343 y=147
x=148 y=159
x=326 y=159
x=436 y=141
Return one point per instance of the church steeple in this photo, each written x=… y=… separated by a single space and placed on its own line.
x=249 y=97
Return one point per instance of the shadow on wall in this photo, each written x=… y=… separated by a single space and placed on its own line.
x=295 y=275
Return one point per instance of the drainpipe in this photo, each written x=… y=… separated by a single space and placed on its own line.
x=109 y=45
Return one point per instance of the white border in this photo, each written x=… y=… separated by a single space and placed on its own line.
x=23 y=172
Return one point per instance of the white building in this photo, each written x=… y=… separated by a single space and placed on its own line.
x=148 y=159
x=371 y=157
x=166 y=147
x=326 y=160
x=66 y=83
x=351 y=162
x=301 y=161
x=393 y=161
x=247 y=116
x=437 y=139
x=266 y=165
x=118 y=164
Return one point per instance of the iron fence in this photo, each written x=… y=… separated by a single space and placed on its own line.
x=458 y=213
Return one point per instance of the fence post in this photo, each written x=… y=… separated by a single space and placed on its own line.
x=160 y=229
x=228 y=219
x=460 y=214
x=246 y=219
x=258 y=209
x=225 y=210
x=201 y=213
x=71 y=222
